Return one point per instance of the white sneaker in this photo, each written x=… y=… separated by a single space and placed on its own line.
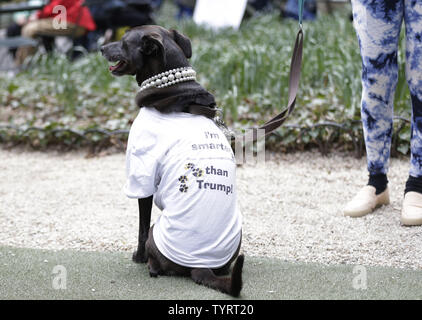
x=366 y=201
x=411 y=213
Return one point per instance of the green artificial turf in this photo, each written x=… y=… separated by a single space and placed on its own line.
x=31 y=274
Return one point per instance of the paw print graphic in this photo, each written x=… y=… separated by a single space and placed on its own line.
x=197 y=172
x=189 y=166
x=183 y=188
x=183 y=179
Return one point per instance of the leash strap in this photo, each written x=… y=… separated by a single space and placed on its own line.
x=294 y=77
x=300 y=4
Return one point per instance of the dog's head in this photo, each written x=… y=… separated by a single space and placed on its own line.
x=147 y=50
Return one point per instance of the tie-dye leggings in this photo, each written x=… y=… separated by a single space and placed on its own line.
x=378 y=25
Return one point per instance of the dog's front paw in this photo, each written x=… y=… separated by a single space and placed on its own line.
x=139 y=257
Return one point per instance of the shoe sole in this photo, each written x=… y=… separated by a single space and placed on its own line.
x=410 y=222
x=358 y=214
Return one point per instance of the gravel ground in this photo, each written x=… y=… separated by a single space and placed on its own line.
x=292 y=208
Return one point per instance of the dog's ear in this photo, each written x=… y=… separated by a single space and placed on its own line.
x=183 y=42
x=152 y=43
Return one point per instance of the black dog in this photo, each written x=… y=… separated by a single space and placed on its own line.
x=146 y=52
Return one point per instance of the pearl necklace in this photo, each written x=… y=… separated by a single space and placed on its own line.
x=169 y=78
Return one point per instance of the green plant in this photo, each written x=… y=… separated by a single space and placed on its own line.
x=246 y=70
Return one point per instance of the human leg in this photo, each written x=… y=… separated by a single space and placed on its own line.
x=378 y=30
x=44 y=27
x=377 y=25
x=412 y=204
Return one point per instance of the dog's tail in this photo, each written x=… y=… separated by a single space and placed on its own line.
x=231 y=285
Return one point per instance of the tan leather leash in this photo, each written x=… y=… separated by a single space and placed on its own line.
x=294 y=77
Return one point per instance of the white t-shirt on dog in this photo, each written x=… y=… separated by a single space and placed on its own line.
x=186 y=162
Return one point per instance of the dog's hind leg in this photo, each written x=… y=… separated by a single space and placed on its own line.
x=145 y=207
x=158 y=264
x=231 y=285
x=154 y=267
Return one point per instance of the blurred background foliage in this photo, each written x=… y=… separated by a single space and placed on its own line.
x=246 y=70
